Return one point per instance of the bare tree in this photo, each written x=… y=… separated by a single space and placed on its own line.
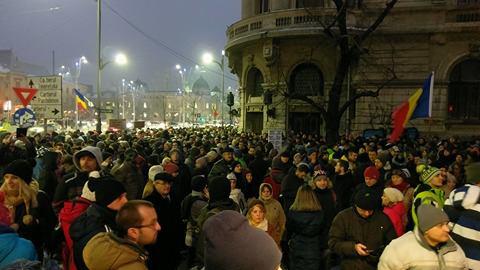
x=350 y=46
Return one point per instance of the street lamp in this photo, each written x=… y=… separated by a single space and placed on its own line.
x=120 y=59
x=207 y=58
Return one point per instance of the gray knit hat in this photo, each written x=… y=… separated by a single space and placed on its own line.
x=429 y=216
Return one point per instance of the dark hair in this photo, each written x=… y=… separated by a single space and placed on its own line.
x=344 y=164
x=128 y=216
x=303 y=168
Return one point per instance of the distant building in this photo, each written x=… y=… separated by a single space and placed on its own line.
x=279 y=45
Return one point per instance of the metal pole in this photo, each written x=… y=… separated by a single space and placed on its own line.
x=99 y=64
x=53 y=62
x=223 y=85
x=123 y=99
x=133 y=101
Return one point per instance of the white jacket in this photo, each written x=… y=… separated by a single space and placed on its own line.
x=410 y=251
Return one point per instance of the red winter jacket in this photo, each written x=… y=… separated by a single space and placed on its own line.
x=70 y=211
x=398 y=215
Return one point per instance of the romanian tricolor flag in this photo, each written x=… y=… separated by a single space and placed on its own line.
x=81 y=101
x=419 y=105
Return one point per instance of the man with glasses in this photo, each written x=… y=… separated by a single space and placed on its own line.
x=137 y=226
x=428 y=246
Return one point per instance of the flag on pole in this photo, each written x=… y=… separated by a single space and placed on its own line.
x=81 y=101
x=419 y=105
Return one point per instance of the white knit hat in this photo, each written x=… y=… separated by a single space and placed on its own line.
x=154 y=170
x=394 y=195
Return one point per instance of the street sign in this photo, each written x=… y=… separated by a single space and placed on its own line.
x=106 y=110
x=24 y=118
x=47 y=103
x=25 y=94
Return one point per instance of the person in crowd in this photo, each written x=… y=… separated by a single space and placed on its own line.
x=137 y=226
x=463 y=210
x=343 y=184
x=259 y=167
x=323 y=189
x=398 y=180
x=429 y=191
x=393 y=207
x=256 y=216
x=182 y=180
x=428 y=246
x=86 y=160
x=219 y=192
x=190 y=210
x=371 y=184
x=48 y=178
x=274 y=212
x=236 y=194
x=305 y=222
x=130 y=176
x=30 y=209
x=238 y=170
x=231 y=243
x=360 y=233
x=291 y=183
x=222 y=167
x=110 y=196
x=169 y=241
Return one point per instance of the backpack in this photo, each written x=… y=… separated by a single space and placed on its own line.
x=70 y=211
x=192 y=228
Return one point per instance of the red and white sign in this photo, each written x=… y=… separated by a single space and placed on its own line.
x=25 y=94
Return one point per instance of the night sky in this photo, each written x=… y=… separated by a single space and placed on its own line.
x=33 y=28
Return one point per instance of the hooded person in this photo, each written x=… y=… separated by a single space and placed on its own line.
x=86 y=160
x=428 y=246
x=275 y=214
x=231 y=243
x=110 y=196
x=236 y=193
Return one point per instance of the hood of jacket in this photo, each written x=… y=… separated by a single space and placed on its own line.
x=95 y=151
x=114 y=252
x=94 y=218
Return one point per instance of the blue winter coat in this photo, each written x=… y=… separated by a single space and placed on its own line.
x=13 y=247
x=305 y=234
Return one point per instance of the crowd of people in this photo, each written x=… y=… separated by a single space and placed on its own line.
x=216 y=198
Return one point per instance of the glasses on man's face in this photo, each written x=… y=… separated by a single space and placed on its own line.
x=151 y=225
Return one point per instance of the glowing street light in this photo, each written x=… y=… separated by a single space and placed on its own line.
x=207 y=58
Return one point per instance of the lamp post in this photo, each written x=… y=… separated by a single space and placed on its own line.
x=207 y=58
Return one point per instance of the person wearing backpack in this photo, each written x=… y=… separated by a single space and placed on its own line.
x=70 y=211
x=190 y=210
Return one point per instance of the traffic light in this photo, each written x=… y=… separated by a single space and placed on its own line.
x=230 y=99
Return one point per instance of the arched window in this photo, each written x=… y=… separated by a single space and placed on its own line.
x=254 y=82
x=464 y=91
x=309 y=3
x=307 y=79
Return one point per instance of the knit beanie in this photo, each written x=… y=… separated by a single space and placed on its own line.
x=394 y=195
x=164 y=177
x=430 y=216
x=170 y=168
x=231 y=176
x=428 y=173
x=219 y=189
x=366 y=200
x=199 y=182
x=371 y=172
x=231 y=243
x=20 y=168
x=154 y=170
x=86 y=192
x=106 y=189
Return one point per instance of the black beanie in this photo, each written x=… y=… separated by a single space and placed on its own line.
x=199 y=182
x=366 y=199
x=20 y=168
x=219 y=189
x=106 y=189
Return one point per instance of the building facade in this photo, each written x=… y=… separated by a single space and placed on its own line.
x=280 y=46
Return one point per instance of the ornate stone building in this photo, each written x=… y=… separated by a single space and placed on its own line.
x=279 y=46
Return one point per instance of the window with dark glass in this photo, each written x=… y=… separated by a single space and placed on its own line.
x=307 y=80
x=254 y=83
x=263 y=6
x=464 y=91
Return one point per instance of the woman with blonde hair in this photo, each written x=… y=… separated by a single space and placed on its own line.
x=30 y=210
x=256 y=216
x=304 y=231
